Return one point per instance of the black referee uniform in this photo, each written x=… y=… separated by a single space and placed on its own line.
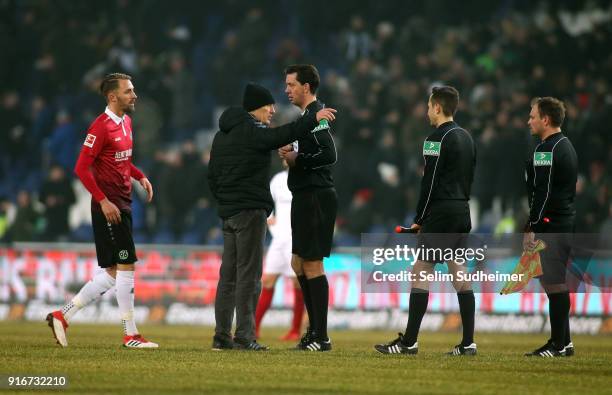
x=450 y=160
x=313 y=215
x=552 y=172
x=551 y=175
x=315 y=203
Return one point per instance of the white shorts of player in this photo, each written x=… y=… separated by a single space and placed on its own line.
x=278 y=258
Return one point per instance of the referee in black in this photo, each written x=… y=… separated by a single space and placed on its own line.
x=450 y=159
x=552 y=172
x=314 y=205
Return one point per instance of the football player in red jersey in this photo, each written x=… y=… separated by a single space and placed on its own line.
x=105 y=168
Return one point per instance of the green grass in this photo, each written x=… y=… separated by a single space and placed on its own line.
x=95 y=363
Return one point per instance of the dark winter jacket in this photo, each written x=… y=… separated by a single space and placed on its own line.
x=239 y=165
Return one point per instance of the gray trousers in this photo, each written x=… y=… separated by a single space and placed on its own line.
x=240 y=274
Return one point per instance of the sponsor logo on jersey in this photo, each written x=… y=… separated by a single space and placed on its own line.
x=431 y=148
x=323 y=125
x=117 y=138
x=123 y=155
x=542 y=158
x=89 y=140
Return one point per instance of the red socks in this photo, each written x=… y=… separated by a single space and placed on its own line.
x=298 y=310
x=265 y=300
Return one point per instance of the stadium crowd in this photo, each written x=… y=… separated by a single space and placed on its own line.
x=189 y=60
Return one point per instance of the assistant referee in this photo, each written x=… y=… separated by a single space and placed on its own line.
x=450 y=160
x=552 y=172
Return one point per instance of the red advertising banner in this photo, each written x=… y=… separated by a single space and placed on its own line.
x=177 y=285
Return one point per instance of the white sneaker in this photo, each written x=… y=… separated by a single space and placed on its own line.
x=58 y=325
x=137 y=341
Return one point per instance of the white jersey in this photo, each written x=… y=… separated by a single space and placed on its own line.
x=282 y=206
x=278 y=257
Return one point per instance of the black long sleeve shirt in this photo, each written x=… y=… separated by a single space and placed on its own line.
x=551 y=175
x=316 y=154
x=450 y=160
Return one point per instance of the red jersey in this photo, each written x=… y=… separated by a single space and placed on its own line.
x=105 y=163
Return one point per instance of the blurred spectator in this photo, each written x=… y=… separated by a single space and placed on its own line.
x=14 y=147
x=5 y=213
x=227 y=68
x=56 y=195
x=388 y=200
x=384 y=44
x=203 y=224
x=252 y=38
x=64 y=142
x=359 y=213
x=357 y=40
x=178 y=187
x=181 y=85
x=147 y=123
x=28 y=224
x=123 y=56
x=288 y=52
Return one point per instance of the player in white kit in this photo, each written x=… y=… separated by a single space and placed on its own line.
x=278 y=258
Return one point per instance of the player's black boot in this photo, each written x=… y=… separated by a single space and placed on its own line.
x=569 y=350
x=306 y=338
x=548 y=350
x=315 y=344
x=397 y=346
x=312 y=342
x=460 y=349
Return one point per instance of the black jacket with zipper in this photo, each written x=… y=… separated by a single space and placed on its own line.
x=238 y=172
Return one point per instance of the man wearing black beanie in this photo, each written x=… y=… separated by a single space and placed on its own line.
x=239 y=180
x=256 y=96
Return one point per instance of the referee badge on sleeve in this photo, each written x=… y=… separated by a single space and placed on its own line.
x=542 y=158
x=431 y=148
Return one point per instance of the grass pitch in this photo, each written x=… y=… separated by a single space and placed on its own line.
x=96 y=364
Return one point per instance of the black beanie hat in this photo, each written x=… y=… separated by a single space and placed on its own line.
x=256 y=96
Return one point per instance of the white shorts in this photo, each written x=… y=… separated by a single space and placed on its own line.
x=278 y=258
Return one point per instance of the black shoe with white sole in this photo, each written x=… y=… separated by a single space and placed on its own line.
x=460 y=349
x=547 y=351
x=314 y=343
x=397 y=346
x=306 y=339
x=220 y=344
x=569 y=350
x=246 y=345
